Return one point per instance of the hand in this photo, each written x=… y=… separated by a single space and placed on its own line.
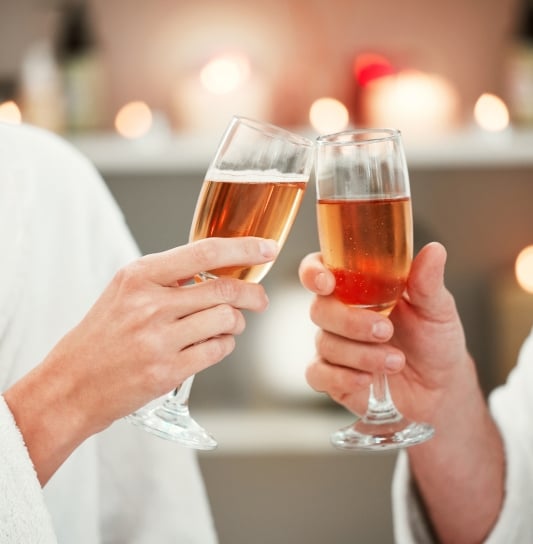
x=149 y=330
x=421 y=346
x=432 y=378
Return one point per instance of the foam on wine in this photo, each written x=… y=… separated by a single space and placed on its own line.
x=254 y=176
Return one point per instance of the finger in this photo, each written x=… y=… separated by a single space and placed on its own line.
x=354 y=323
x=200 y=326
x=315 y=276
x=168 y=267
x=336 y=381
x=425 y=287
x=200 y=356
x=359 y=356
x=239 y=294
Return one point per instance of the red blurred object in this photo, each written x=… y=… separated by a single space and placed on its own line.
x=370 y=66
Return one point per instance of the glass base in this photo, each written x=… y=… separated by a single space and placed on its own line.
x=368 y=435
x=173 y=425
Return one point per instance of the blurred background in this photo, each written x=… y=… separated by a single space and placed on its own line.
x=145 y=89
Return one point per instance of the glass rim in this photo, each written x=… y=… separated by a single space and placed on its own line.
x=272 y=130
x=346 y=137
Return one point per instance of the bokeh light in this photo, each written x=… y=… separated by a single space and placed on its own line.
x=524 y=269
x=416 y=102
x=225 y=73
x=491 y=113
x=133 y=120
x=10 y=113
x=328 y=115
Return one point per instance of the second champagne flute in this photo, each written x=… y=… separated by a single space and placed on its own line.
x=253 y=187
x=366 y=238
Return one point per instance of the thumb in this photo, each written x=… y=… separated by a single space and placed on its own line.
x=314 y=276
x=425 y=286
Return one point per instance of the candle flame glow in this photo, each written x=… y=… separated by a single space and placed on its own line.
x=225 y=73
x=10 y=113
x=328 y=115
x=416 y=102
x=491 y=113
x=133 y=120
x=524 y=269
x=370 y=66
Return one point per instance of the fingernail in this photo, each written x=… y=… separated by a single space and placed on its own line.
x=268 y=248
x=393 y=361
x=382 y=330
x=321 y=281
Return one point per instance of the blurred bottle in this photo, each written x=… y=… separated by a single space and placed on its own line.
x=41 y=88
x=520 y=69
x=82 y=71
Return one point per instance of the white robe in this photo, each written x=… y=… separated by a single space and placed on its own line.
x=512 y=408
x=62 y=237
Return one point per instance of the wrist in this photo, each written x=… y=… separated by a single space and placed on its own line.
x=463 y=464
x=44 y=406
x=454 y=396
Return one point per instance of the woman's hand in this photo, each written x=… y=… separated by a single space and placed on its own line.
x=149 y=330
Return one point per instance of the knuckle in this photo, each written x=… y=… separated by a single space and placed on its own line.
x=219 y=348
x=323 y=343
x=251 y=249
x=240 y=324
x=226 y=289
x=311 y=376
x=124 y=276
x=230 y=317
x=352 y=323
x=204 y=253
x=314 y=311
x=139 y=303
x=129 y=276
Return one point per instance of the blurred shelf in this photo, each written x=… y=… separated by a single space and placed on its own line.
x=114 y=155
x=473 y=148
x=191 y=153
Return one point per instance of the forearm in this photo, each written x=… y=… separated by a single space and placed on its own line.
x=460 y=473
x=43 y=404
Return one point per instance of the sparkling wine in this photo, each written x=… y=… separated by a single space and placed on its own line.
x=247 y=208
x=367 y=244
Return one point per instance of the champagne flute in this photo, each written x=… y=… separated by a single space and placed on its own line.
x=365 y=230
x=253 y=187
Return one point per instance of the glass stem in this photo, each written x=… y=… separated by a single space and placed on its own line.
x=381 y=408
x=178 y=400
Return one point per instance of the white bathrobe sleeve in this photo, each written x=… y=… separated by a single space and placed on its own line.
x=511 y=406
x=20 y=492
x=62 y=238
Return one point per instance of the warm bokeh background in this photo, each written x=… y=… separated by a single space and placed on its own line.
x=298 y=50
x=418 y=65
